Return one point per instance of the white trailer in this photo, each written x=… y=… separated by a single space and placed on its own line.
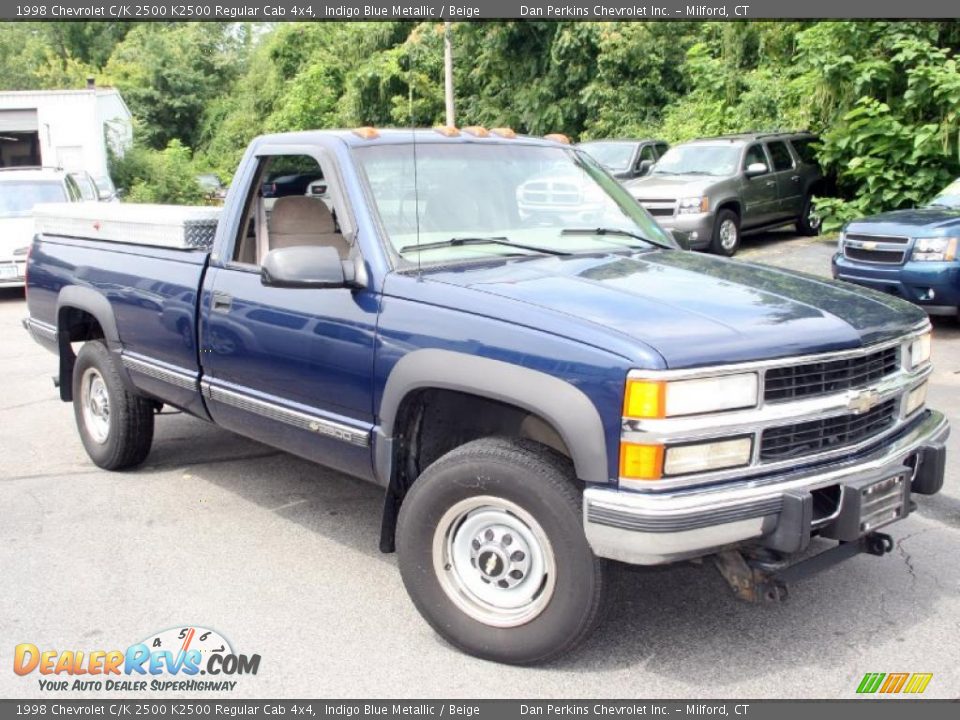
x=68 y=129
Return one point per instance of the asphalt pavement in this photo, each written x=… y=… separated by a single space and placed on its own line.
x=280 y=557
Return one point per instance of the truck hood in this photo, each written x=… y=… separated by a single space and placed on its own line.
x=929 y=221
x=669 y=187
x=694 y=309
x=15 y=232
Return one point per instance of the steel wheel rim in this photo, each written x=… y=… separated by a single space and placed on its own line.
x=728 y=234
x=95 y=402
x=477 y=549
x=813 y=217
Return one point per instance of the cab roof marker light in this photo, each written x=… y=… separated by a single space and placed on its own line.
x=367 y=132
x=558 y=137
x=477 y=131
x=447 y=130
x=504 y=132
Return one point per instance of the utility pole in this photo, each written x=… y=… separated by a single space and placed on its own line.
x=448 y=72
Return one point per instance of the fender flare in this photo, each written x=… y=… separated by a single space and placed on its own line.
x=87 y=299
x=93 y=302
x=565 y=407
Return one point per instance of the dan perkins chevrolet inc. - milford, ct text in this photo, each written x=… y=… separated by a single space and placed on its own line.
x=633 y=11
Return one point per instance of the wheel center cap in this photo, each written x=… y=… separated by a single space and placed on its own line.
x=491 y=563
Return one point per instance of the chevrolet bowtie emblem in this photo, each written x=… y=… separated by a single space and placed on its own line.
x=869 y=245
x=864 y=401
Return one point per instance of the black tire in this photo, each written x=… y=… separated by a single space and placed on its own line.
x=541 y=483
x=127 y=431
x=809 y=222
x=719 y=243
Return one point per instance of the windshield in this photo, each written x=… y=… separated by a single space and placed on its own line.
x=949 y=197
x=498 y=195
x=612 y=155
x=17 y=197
x=719 y=160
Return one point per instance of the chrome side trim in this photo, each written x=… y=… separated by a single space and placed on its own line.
x=41 y=331
x=279 y=413
x=656 y=528
x=178 y=377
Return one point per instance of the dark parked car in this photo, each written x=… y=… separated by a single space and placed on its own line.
x=289 y=184
x=212 y=186
x=909 y=253
x=625 y=159
x=714 y=189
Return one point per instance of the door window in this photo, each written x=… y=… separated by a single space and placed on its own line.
x=289 y=204
x=754 y=154
x=781 y=156
x=662 y=148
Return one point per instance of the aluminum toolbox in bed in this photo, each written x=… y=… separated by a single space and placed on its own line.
x=171 y=226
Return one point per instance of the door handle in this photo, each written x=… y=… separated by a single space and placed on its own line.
x=794 y=177
x=222 y=302
x=770 y=183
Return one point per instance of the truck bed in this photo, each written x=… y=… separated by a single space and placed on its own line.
x=150 y=293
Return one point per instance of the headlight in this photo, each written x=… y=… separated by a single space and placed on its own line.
x=934 y=249
x=659 y=399
x=919 y=352
x=916 y=399
x=690 y=205
x=653 y=462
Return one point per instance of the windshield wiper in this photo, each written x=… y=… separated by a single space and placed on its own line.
x=459 y=241
x=601 y=231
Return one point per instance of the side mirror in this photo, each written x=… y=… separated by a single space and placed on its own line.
x=104 y=195
x=644 y=167
x=757 y=168
x=306 y=266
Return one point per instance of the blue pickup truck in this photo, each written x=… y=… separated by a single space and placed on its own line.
x=909 y=253
x=489 y=327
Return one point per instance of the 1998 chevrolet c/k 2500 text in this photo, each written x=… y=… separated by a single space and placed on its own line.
x=492 y=329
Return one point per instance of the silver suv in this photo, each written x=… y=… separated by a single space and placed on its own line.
x=712 y=190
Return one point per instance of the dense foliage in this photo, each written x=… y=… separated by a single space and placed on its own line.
x=884 y=96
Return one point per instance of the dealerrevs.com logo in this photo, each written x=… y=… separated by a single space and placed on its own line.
x=179 y=659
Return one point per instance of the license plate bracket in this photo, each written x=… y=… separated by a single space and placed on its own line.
x=870 y=503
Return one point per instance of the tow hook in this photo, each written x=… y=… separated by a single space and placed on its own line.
x=764 y=577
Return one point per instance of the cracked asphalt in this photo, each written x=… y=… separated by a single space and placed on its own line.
x=280 y=557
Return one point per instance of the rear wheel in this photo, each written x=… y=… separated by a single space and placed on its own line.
x=726 y=233
x=492 y=552
x=116 y=426
x=809 y=221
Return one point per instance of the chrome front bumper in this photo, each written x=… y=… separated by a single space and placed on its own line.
x=654 y=528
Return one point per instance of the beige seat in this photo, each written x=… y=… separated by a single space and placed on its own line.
x=301 y=220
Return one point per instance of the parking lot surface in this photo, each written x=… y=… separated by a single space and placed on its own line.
x=280 y=557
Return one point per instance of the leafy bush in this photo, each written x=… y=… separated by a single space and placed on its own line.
x=158 y=176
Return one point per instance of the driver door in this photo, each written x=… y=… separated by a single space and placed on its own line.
x=290 y=366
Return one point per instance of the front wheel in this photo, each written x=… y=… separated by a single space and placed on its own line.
x=726 y=233
x=492 y=552
x=116 y=426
